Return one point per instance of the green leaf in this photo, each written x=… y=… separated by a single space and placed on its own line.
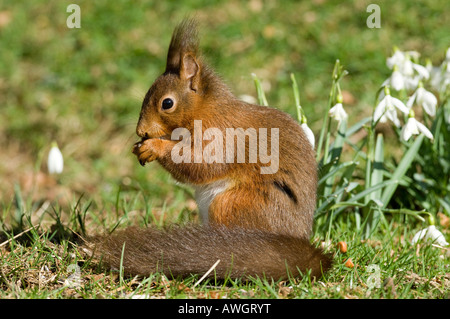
x=356 y=204
x=336 y=151
x=377 y=172
x=362 y=194
x=356 y=127
x=331 y=169
x=402 y=167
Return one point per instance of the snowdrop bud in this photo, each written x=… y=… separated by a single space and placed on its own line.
x=55 y=161
x=308 y=132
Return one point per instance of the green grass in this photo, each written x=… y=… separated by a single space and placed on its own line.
x=38 y=264
x=83 y=88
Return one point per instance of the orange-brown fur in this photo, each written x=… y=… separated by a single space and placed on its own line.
x=259 y=224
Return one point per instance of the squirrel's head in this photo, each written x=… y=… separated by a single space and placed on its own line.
x=176 y=96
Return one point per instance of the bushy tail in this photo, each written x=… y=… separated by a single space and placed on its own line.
x=180 y=251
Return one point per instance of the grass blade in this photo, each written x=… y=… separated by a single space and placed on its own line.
x=261 y=96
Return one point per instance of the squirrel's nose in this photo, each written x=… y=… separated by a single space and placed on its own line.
x=142 y=130
x=144 y=136
x=141 y=133
x=146 y=130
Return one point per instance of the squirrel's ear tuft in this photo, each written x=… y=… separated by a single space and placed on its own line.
x=184 y=43
x=190 y=70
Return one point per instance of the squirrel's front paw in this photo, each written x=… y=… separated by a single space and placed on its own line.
x=148 y=150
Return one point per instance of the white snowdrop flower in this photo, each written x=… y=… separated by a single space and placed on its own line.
x=440 y=75
x=414 y=127
x=443 y=74
x=399 y=58
x=430 y=233
x=338 y=113
x=413 y=54
x=55 y=161
x=420 y=69
x=386 y=109
x=425 y=99
x=396 y=59
x=412 y=72
x=411 y=83
x=435 y=77
x=440 y=78
x=407 y=67
x=309 y=134
x=396 y=80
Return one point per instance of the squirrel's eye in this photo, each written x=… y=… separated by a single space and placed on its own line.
x=167 y=104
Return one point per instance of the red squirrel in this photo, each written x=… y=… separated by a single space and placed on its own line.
x=256 y=224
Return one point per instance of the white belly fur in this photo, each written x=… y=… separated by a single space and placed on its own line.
x=204 y=195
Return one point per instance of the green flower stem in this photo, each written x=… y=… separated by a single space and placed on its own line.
x=326 y=119
x=261 y=96
x=297 y=98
